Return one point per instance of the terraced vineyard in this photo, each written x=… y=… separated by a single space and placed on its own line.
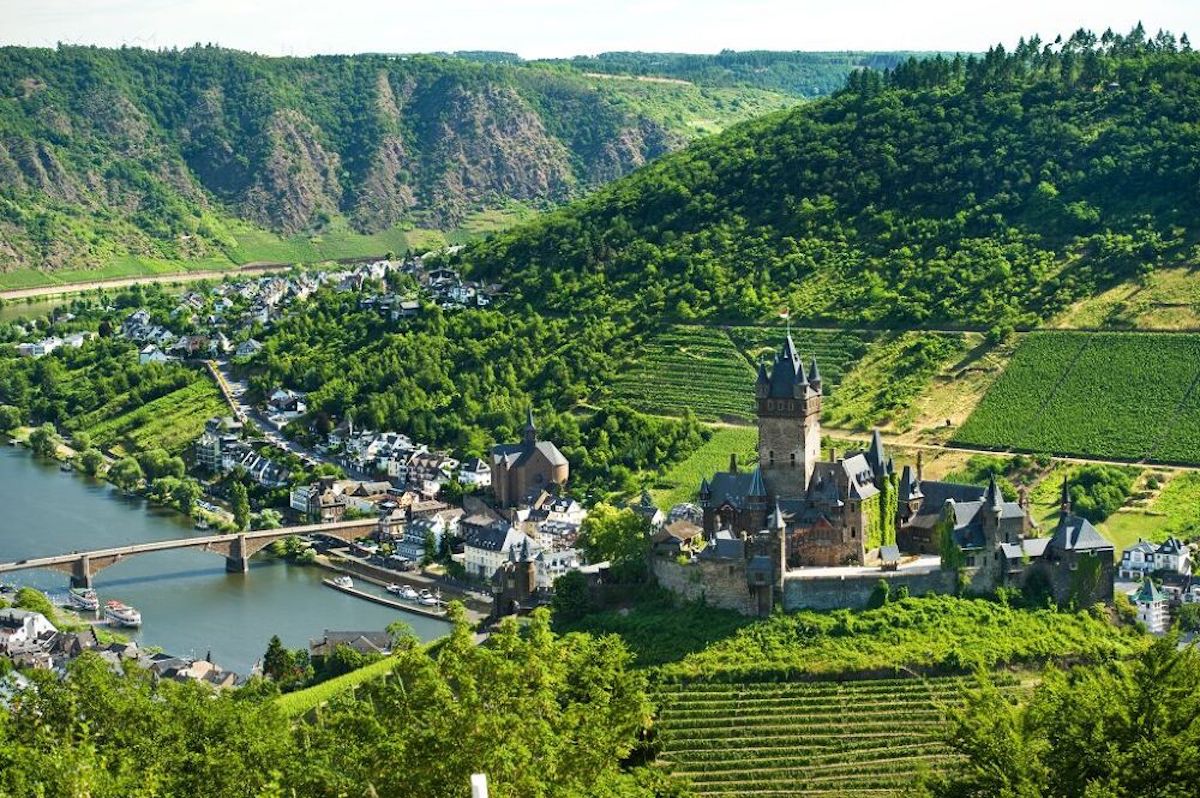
x=1124 y=396
x=836 y=350
x=696 y=367
x=846 y=739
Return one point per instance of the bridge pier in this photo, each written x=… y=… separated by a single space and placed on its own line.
x=81 y=575
x=237 y=562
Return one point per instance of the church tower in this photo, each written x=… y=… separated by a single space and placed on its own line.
x=789 y=422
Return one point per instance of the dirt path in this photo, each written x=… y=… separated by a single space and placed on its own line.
x=124 y=282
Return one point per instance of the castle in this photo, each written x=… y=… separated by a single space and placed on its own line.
x=794 y=510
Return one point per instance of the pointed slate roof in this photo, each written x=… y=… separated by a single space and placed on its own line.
x=993 y=498
x=1077 y=534
x=787 y=373
x=1148 y=593
x=776 y=521
x=875 y=456
x=814 y=375
x=910 y=488
x=757 y=488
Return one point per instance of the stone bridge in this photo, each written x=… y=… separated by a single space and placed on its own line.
x=236 y=548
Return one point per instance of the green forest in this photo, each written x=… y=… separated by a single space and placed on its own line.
x=986 y=192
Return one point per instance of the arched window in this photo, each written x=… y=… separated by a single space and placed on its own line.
x=771 y=456
x=853 y=532
x=793 y=459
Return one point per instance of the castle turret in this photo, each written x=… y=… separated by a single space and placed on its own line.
x=789 y=426
x=814 y=375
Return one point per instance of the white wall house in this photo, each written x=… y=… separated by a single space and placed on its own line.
x=486 y=549
x=1172 y=556
x=18 y=627
x=1151 y=607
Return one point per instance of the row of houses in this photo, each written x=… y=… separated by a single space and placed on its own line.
x=47 y=345
x=29 y=640
x=221 y=449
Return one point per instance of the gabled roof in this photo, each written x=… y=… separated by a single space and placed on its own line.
x=738 y=490
x=1077 y=534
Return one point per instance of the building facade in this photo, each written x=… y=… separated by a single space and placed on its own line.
x=520 y=470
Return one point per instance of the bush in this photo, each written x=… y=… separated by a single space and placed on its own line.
x=1099 y=491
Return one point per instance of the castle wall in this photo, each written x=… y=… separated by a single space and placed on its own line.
x=853 y=592
x=718 y=583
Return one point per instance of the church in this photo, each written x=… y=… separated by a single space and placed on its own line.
x=795 y=509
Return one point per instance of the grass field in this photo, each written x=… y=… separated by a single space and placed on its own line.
x=690 y=367
x=1108 y=395
x=679 y=484
x=825 y=738
x=1166 y=299
x=170 y=422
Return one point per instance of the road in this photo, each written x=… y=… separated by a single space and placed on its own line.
x=235 y=391
x=125 y=282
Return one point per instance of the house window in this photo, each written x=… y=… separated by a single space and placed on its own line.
x=791 y=405
x=971 y=561
x=853 y=532
x=793 y=459
x=771 y=456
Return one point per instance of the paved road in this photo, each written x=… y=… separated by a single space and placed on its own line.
x=124 y=282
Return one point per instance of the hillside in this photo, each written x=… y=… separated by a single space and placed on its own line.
x=804 y=74
x=984 y=192
x=211 y=153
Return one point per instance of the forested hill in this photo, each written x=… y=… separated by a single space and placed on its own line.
x=985 y=191
x=106 y=153
x=805 y=74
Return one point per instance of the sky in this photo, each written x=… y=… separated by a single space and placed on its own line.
x=545 y=28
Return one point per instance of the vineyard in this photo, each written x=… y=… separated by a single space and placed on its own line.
x=696 y=367
x=822 y=738
x=1113 y=395
x=837 y=350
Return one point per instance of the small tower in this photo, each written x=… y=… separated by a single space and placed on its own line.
x=1064 y=507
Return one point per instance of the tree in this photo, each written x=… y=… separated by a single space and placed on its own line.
x=45 y=440
x=28 y=598
x=277 y=661
x=270 y=519
x=81 y=440
x=90 y=461
x=239 y=500
x=10 y=418
x=571 y=597
x=1140 y=713
x=159 y=463
x=126 y=474
x=185 y=493
x=618 y=536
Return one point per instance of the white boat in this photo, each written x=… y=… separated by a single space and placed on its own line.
x=202 y=525
x=408 y=593
x=342 y=581
x=394 y=589
x=83 y=598
x=119 y=614
x=427 y=599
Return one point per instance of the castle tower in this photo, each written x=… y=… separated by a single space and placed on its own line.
x=789 y=422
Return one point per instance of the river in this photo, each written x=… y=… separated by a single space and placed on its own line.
x=190 y=606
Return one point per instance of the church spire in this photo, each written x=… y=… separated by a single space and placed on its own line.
x=530 y=437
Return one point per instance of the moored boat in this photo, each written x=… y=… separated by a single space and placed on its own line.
x=395 y=589
x=427 y=599
x=83 y=598
x=343 y=581
x=120 y=614
x=66 y=468
x=202 y=525
x=408 y=593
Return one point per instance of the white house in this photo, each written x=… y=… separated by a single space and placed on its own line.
x=416 y=534
x=1172 y=556
x=475 y=472
x=553 y=564
x=1151 y=607
x=18 y=627
x=486 y=549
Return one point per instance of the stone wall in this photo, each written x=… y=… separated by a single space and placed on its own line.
x=853 y=592
x=719 y=583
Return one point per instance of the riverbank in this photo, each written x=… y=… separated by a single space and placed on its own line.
x=476 y=610
x=174 y=277
x=190 y=605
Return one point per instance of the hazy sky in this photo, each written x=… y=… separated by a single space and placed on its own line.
x=540 y=28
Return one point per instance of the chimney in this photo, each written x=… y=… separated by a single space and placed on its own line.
x=733 y=463
x=920 y=469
